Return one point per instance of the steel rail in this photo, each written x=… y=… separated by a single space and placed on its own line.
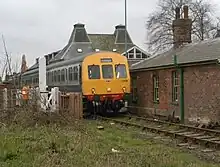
x=175 y=124
x=208 y=141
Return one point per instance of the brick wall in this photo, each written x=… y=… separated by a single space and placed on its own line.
x=202 y=93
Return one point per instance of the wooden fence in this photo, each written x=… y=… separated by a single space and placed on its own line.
x=71 y=103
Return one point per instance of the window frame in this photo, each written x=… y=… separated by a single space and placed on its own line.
x=55 y=76
x=99 y=76
x=156 y=89
x=175 y=79
x=105 y=65
x=62 y=78
x=58 y=75
x=124 y=69
x=75 y=73
x=66 y=74
x=70 y=72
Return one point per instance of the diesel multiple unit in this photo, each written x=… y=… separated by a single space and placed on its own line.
x=101 y=76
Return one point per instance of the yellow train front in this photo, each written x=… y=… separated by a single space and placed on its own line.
x=106 y=83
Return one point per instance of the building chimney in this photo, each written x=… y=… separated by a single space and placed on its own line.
x=182 y=28
x=217 y=34
x=177 y=13
x=37 y=60
x=186 y=12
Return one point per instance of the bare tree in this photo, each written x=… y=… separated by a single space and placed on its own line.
x=159 y=23
x=8 y=58
x=8 y=67
x=3 y=65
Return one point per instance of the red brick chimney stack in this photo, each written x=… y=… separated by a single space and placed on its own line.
x=182 y=28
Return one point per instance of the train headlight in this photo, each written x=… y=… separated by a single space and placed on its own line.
x=108 y=89
x=93 y=90
x=124 y=89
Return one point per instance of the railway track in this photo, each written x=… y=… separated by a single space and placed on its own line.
x=189 y=134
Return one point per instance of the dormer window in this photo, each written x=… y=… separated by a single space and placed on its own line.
x=135 y=53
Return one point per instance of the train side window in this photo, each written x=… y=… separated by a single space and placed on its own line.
x=70 y=73
x=49 y=78
x=93 y=72
x=66 y=74
x=52 y=76
x=120 y=71
x=59 y=76
x=75 y=73
x=55 y=76
x=107 y=71
x=62 y=75
x=80 y=73
x=47 y=75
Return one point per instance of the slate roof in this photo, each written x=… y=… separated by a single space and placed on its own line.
x=80 y=39
x=203 y=51
x=107 y=42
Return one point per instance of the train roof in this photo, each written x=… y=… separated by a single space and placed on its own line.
x=74 y=60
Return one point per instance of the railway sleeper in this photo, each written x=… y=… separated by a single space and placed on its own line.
x=195 y=134
x=204 y=140
x=189 y=127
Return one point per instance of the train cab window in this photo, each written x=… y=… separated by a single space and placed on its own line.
x=120 y=71
x=75 y=69
x=93 y=72
x=107 y=71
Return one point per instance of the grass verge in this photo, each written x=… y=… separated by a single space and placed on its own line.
x=79 y=143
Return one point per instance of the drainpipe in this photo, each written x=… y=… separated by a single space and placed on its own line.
x=180 y=69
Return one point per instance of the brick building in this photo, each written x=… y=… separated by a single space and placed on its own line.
x=156 y=81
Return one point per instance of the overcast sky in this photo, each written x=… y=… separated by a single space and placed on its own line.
x=38 y=27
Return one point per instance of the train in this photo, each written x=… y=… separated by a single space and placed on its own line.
x=102 y=77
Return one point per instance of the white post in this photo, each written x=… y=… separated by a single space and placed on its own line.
x=18 y=98
x=55 y=99
x=42 y=82
x=5 y=98
x=37 y=97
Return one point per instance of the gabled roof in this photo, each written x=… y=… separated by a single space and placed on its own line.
x=138 y=48
x=204 y=51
